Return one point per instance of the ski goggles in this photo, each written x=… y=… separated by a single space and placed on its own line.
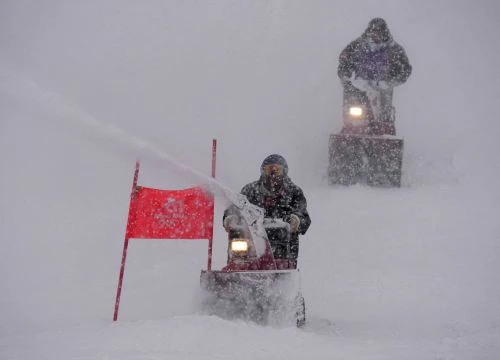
x=377 y=37
x=273 y=169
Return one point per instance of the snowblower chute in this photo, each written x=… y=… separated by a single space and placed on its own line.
x=258 y=286
x=366 y=150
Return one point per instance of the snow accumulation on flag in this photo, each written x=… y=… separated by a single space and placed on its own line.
x=171 y=214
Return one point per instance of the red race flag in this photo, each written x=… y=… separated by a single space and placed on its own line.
x=170 y=214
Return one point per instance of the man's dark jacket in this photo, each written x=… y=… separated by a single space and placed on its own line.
x=390 y=63
x=289 y=200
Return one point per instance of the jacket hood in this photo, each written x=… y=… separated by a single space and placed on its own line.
x=275 y=159
x=379 y=27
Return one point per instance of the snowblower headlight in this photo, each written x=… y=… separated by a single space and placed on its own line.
x=355 y=111
x=239 y=246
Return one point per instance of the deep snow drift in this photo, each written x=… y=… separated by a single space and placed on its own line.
x=410 y=273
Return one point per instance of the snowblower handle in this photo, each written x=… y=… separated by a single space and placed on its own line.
x=274 y=223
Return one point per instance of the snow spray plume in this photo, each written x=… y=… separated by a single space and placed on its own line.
x=17 y=84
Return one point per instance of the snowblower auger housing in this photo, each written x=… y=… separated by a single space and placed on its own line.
x=372 y=160
x=367 y=149
x=263 y=288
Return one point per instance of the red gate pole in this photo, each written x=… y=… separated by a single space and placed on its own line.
x=214 y=153
x=125 y=245
x=214 y=158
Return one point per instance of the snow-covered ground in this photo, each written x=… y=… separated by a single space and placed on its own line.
x=87 y=87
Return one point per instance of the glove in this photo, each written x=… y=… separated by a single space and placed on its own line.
x=294 y=222
x=381 y=85
x=360 y=84
x=228 y=221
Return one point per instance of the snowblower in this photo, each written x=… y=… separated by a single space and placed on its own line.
x=260 y=283
x=366 y=150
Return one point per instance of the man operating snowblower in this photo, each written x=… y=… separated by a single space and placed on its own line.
x=261 y=281
x=374 y=61
x=367 y=150
x=279 y=197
